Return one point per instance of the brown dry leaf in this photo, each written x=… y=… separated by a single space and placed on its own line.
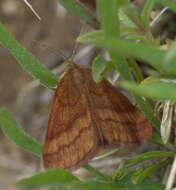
x=85 y=116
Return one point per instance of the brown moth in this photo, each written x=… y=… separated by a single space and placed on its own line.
x=85 y=116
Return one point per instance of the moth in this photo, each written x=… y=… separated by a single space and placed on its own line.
x=85 y=116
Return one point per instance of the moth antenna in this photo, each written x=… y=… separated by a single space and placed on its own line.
x=53 y=50
x=70 y=59
x=77 y=44
x=63 y=55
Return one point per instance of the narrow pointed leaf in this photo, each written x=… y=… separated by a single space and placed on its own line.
x=149 y=171
x=98 y=67
x=78 y=9
x=145 y=52
x=51 y=178
x=147 y=156
x=26 y=59
x=156 y=90
x=15 y=133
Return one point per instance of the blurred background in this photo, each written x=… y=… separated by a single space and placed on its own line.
x=26 y=99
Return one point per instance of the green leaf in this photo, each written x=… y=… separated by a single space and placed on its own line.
x=127 y=184
x=98 y=66
x=149 y=171
x=151 y=55
x=147 y=156
x=145 y=52
x=121 y=3
x=130 y=10
x=15 y=132
x=107 y=11
x=91 y=37
x=97 y=173
x=156 y=90
x=78 y=9
x=156 y=139
x=136 y=70
x=26 y=59
x=65 y=180
x=168 y=3
x=52 y=178
x=145 y=15
x=57 y=189
x=103 y=185
x=125 y=19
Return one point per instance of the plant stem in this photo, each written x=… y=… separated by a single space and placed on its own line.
x=110 y=25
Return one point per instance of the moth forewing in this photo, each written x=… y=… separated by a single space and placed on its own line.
x=86 y=115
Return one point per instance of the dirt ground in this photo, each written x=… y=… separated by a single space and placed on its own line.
x=28 y=101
